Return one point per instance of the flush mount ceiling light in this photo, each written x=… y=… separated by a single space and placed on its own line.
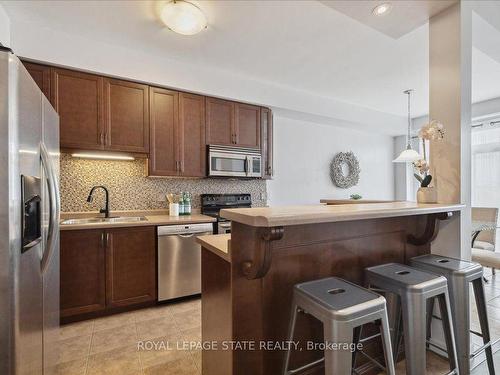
x=382 y=9
x=183 y=17
x=409 y=155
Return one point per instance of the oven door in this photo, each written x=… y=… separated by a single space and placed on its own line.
x=228 y=164
x=223 y=227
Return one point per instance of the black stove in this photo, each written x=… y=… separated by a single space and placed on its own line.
x=211 y=204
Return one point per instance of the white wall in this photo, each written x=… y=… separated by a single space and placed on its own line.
x=304 y=150
x=4 y=28
x=61 y=48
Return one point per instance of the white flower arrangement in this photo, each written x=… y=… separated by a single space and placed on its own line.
x=434 y=131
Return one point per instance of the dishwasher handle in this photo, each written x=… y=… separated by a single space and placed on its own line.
x=184 y=230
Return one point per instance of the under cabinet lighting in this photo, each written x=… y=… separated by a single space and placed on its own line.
x=102 y=156
x=382 y=9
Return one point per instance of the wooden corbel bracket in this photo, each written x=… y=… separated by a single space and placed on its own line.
x=431 y=229
x=259 y=265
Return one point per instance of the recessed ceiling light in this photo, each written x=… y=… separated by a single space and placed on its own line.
x=183 y=17
x=382 y=9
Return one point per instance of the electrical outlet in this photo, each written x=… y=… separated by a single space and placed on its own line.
x=161 y=198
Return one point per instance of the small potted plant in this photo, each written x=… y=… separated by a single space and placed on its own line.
x=434 y=130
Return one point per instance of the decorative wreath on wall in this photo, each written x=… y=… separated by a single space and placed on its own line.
x=341 y=162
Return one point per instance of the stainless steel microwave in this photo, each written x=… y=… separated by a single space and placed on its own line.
x=229 y=161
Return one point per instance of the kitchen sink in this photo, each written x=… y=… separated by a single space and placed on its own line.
x=92 y=220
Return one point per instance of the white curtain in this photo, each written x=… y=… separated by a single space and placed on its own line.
x=486 y=169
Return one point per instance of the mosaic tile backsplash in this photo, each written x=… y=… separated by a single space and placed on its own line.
x=130 y=189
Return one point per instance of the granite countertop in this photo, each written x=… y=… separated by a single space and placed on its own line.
x=321 y=213
x=219 y=244
x=153 y=218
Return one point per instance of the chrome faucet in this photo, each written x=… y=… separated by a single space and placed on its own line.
x=104 y=210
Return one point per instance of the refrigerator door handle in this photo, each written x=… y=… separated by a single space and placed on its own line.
x=54 y=206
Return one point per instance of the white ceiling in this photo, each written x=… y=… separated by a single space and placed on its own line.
x=305 y=45
x=404 y=16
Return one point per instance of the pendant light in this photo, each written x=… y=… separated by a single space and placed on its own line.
x=409 y=155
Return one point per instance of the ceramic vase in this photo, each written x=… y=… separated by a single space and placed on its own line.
x=427 y=195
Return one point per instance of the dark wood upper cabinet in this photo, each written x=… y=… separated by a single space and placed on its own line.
x=220 y=122
x=164 y=119
x=78 y=99
x=247 y=125
x=130 y=266
x=178 y=144
x=41 y=75
x=233 y=124
x=266 y=142
x=126 y=108
x=191 y=135
x=172 y=128
x=82 y=272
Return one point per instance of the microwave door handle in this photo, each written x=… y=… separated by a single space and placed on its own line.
x=247 y=162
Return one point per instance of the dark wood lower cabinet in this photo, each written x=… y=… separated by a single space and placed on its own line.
x=82 y=272
x=130 y=266
x=106 y=270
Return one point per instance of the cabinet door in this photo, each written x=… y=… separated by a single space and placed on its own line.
x=126 y=108
x=130 y=266
x=164 y=155
x=192 y=135
x=77 y=97
x=220 y=122
x=41 y=75
x=266 y=142
x=247 y=125
x=82 y=272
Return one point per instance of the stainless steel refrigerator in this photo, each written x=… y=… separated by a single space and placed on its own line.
x=29 y=224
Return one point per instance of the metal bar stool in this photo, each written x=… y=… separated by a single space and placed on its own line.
x=341 y=306
x=414 y=288
x=459 y=274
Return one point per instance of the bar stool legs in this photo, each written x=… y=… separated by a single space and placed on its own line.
x=413 y=309
x=415 y=289
x=483 y=321
x=386 y=343
x=291 y=332
x=338 y=361
x=459 y=275
x=413 y=326
x=343 y=308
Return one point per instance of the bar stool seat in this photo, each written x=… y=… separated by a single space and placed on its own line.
x=459 y=274
x=342 y=307
x=414 y=288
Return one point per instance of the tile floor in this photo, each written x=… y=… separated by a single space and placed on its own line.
x=112 y=345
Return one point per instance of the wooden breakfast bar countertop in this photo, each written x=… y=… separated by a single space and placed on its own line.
x=217 y=243
x=314 y=214
x=247 y=291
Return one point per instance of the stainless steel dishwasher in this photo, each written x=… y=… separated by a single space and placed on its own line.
x=179 y=260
